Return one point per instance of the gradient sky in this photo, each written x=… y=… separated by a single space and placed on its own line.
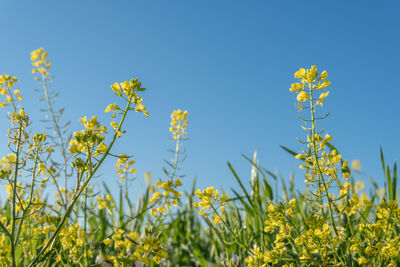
x=229 y=63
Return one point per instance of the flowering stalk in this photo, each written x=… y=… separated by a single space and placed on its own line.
x=81 y=189
x=14 y=202
x=321 y=179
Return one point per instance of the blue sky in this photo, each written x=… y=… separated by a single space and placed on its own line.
x=229 y=63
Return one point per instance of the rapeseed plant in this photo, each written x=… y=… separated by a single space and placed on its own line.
x=333 y=222
x=88 y=148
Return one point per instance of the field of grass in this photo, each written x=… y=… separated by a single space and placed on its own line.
x=333 y=222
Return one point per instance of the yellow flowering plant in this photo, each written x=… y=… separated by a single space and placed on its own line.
x=88 y=148
x=327 y=229
x=336 y=220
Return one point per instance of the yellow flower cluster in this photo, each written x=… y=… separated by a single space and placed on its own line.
x=124 y=166
x=72 y=240
x=178 y=124
x=258 y=258
x=310 y=79
x=40 y=62
x=130 y=248
x=315 y=239
x=336 y=231
x=5 y=249
x=150 y=248
x=378 y=241
x=170 y=194
x=328 y=161
x=128 y=91
x=33 y=231
x=210 y=202
x=6 y=85
x=20 y=191
x=278 y=218
x=89 y=140
x=6 y=164
x=104 y=202
x=356 y=205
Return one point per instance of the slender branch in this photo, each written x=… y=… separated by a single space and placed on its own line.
x=14 y=213
x=79 y=192
x=30 y=197
x=59 y=135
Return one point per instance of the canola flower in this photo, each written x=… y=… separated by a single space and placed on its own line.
x=166 y=191
x=337 y=233
x=334 y=222
x=210 y=202
x=132 y=248
x=7 y=84
x=88 y=147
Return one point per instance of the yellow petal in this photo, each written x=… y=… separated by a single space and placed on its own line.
x=302 y=96
x=116 y=88
x=323 y=75
x=300 y=73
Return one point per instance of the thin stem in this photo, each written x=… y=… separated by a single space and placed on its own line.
x=79 y=192
x=30 y=197
x=59 y=135
x=14 y=213
x=316 y=163
x=174 y=169
x=177 y=146
x=230 y=230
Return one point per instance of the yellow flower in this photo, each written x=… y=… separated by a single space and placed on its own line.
x=300 y=73
x=116 y=88
x=112 y=107
x=323 y=95
x=101 y=148
x=114 y=124
x=125 y=85
x=217 y=219
x=35 y=54
x=210 y=200
x=302 y=96
x=328 y=138
x=324 y=84
x=107 y=241
x=38 y=58
x=292 y=203
x=178 y=123
x=296 y=87
x=362 y=260
x=323 y=76
x=356 y=165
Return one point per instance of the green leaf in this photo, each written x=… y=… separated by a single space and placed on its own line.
x=389 y=183
x=239 y=181
x=121 y=209
x=289 y=151
x=394 y=183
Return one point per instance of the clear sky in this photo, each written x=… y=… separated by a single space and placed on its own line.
x=229 y=63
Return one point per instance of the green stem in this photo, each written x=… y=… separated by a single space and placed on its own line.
x=79 y=192
x=318 y=168
x=230 y=230
x=176 y=158
x=14 y=213
x=174 y=168
x=59 y=135
x=316 y=163
x=30 y=197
